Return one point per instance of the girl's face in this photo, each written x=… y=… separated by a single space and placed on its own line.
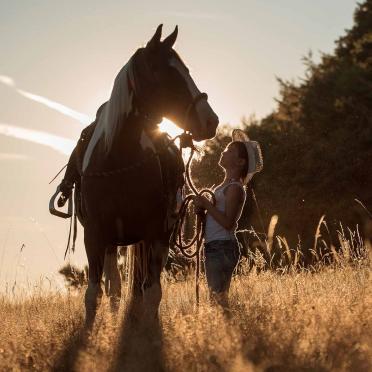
x=230 y=157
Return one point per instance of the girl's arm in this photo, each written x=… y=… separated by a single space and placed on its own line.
x=234 y=197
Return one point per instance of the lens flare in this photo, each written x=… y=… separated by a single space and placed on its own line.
x=170 y=128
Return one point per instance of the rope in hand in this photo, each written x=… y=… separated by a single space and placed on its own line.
x=197 y=239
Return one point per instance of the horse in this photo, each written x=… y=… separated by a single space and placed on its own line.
x=127 y=189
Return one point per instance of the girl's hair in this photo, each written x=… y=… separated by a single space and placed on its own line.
x=243 y=154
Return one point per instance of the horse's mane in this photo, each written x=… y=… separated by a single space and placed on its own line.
x=115 y=111
x=119 y=105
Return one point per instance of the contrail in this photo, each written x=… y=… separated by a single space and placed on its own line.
x=82 y=118
x=61 y=144
x=7 y=80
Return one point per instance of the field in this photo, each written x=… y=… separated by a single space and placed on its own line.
x=299 y=321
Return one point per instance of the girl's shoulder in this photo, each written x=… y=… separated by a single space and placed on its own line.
x=216 y=188
x=234 y=185
x=234 y=193
x=222 y=187
x=236 y=188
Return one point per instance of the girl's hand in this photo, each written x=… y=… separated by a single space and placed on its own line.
x=201 y=202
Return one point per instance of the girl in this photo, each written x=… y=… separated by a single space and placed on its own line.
x=241 y=160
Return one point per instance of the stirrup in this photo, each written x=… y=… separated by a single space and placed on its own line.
x=62 y=200
x=65 y=187
x=56 y=212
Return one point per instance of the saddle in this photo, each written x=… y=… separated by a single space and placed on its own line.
x=74 y=166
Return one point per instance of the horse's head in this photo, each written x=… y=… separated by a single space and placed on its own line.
x=169 y=90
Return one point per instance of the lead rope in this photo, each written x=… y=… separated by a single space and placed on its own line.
x=197 y=239
x=72 y=228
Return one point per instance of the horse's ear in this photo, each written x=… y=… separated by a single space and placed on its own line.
x=155 y=40
x=170 y=40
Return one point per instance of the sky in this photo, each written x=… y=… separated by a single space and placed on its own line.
x=58 y=63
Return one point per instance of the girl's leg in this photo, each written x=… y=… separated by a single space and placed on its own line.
x=221 y=258
x=214 y=266
x=231 y=259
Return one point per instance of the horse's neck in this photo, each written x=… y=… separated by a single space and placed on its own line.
x=134 y=136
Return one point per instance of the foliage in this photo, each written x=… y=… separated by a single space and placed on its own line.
x=74 y=277
x=317 y=144
x=298 y=321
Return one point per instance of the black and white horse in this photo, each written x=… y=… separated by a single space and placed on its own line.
x=125 y=188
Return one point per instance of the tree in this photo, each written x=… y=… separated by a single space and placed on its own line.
x=317 y=143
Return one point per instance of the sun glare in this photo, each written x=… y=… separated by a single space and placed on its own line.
x=169 y=127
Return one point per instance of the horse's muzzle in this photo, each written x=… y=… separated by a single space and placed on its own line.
x=209 y=130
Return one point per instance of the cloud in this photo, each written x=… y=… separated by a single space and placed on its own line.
x=80 y=117
x=61 y=144
x=13 y=156
x=7 y=80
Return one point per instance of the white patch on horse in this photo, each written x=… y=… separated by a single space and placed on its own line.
x=116 y=110
x=98 y=131
x=146 y=142
x=202 y=107
x=182 y=69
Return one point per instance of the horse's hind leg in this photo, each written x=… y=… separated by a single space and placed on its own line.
x=95 y=253
x=112 y=277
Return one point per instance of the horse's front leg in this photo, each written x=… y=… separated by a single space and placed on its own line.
x=112 y=277
x=152 y=291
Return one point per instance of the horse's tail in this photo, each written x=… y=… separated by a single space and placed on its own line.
x=137 y=268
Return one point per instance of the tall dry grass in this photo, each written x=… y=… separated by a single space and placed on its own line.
x=300 y=320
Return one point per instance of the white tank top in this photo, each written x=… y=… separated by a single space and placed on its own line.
x=213 y=230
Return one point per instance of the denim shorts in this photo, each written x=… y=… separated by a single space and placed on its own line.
x=221 y=258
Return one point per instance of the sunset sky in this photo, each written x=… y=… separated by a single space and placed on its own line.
x=59 y=60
